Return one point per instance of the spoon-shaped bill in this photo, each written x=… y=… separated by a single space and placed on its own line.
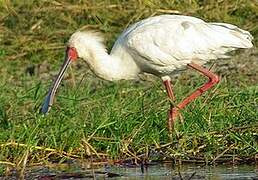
x=52 y=91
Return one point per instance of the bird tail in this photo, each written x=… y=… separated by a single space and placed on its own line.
x=236 y=37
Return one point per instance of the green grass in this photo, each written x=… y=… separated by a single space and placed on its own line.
x=123 y=119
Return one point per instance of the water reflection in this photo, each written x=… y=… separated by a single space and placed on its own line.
x=152 y=171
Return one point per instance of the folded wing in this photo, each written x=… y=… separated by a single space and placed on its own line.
x=177 y=40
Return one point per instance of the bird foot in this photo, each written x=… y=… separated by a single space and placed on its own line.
x=172 y=115
x=171 y=119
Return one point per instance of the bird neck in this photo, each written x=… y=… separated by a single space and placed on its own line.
x=112 y=67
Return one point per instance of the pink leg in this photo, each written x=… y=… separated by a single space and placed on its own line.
x=169 y=90
x=171 y=96
x=213 y=79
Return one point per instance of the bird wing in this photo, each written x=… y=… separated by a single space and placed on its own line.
x=177 y=40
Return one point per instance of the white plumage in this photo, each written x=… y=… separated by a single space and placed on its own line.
x=161 y=45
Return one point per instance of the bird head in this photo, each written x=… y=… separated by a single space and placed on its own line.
x=84 y=44
x=80 y=45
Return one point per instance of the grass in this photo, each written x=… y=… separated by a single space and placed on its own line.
x=109 y=120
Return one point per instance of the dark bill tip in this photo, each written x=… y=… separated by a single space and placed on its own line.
x=46 y=105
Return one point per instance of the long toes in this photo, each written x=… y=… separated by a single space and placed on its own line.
x=181 y=118
x=170 y=121
x=174 y=113
x=177 y=114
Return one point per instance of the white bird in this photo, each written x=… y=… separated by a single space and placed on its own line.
x=161 y=45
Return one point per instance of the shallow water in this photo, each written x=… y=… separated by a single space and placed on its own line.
x=167 y=171
x=154 y=171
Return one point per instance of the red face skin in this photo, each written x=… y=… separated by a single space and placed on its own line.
x=72 y=53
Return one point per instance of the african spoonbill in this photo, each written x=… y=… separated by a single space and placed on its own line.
x=160 y=45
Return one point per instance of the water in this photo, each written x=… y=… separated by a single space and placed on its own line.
x=167 y=171
x=155 y=171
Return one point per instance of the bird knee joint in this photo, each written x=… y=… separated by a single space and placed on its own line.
x=214 y=79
